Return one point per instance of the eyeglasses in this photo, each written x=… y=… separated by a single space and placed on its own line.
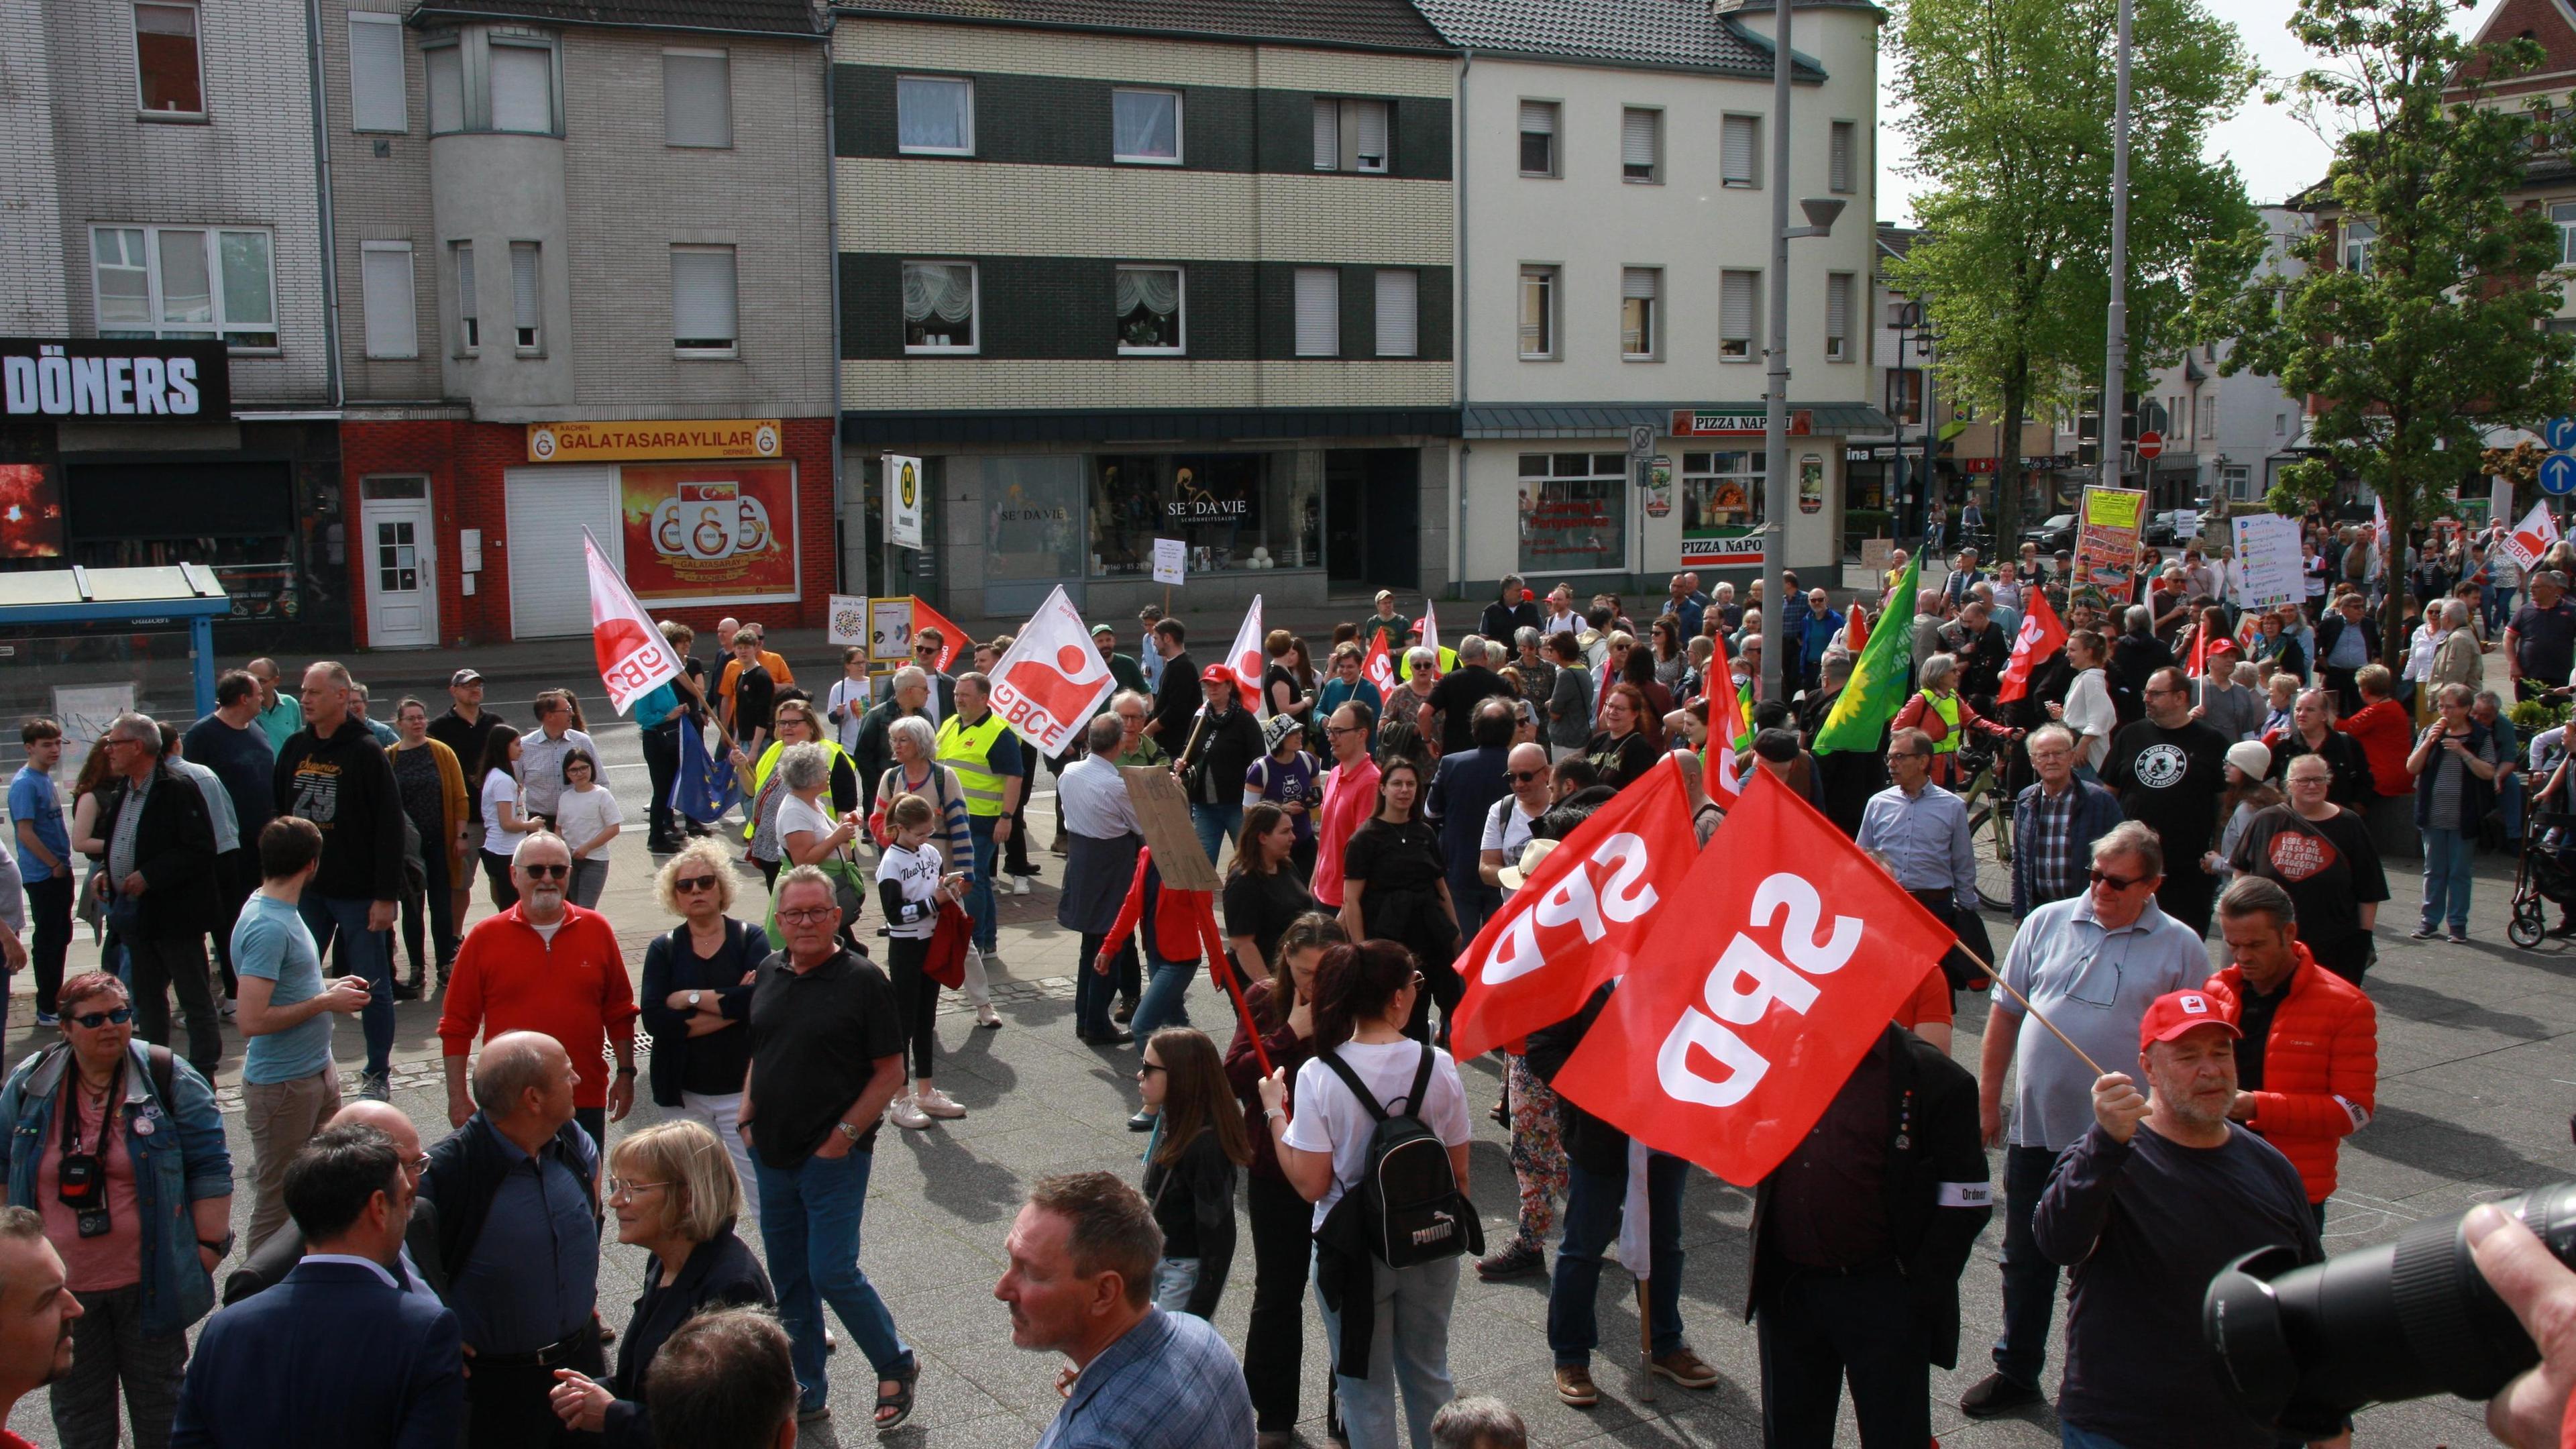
x=692 y=884
x=95 y=1019
x=1523 y=777
x=1143 y=1068
x=2313 y=779
x=1343 y=730
x=2118 y=883
x=620 y=1187
x=819 y=913
x=547 y=872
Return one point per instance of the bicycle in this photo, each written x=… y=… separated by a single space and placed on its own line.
x=1989 y=798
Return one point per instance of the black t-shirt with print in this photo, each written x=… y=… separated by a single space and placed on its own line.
x=2170 y=779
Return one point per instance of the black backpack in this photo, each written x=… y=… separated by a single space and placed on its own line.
x=1411 y=1210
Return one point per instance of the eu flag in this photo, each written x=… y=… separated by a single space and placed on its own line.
x=704 y=788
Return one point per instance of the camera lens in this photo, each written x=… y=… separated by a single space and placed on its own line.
x=2396 y=1321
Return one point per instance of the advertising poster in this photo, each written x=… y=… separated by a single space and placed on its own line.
x=1659 y=487
x=710 y=532
x=846 y=622
x=31 y=512
x=1171 y=561
x=2269 y=571
x=1717 y=509
x=2106 y=542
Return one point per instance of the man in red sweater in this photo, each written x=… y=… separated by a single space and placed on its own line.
x=545 y=966
x=2307 y=1064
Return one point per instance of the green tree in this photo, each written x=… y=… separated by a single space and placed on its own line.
x=2443 y=334
x=2009 y=106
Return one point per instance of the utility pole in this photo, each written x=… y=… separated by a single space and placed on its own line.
x=1778 y=492
x=2115 y=362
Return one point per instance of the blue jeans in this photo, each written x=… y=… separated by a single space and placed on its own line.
x=2030 y=1279
x=2449 y=858
x=2499 y=605
x=2509 y=804
x=369 y=954
x=1216 y=824
x=809 y=1222
x=1165 y=1002
x=979 y=894
x=1594 y=1204
x=2070 y=1437
x=1093 y=990
x=1409 y=1347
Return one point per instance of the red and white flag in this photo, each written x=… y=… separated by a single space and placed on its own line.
x=1244 y=657
x=1757 y=1001
x=1726 y=727
x=1580 y=917
x=2041 y=635
x=1431 y=632
x=1052 y=680
x=952 y=640
x=1855 y=630
x=2532 y=537
x=1378 y=666
x=633 y=655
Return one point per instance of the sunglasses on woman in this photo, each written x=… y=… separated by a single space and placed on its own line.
x=117 y=1016
x=692 y=884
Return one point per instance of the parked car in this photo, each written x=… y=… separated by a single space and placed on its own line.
x=2057 y=532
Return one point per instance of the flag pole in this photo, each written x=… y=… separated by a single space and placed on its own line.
x=2006 y=987
x=1645 y=1347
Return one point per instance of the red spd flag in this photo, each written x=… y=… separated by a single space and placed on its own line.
x=2041 y=635
x=1580 y=919
x=1745 y=1013
x=1052 y=679
x=952 y=640
x=1726 y=727
x=633 y=656
x=1378 y=667
x=1245 y=656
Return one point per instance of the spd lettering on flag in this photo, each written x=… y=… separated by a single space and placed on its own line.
x=2040 y=636
x=1378 y=667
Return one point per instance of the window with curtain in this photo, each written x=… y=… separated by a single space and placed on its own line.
x=526 y=313
x=1398 y=312
x=469 y=307
x=702 y=299
x=697 y=98
x=1538 y=138
x=938 y=307
x=151 y=281
x=393 y=320
x=934 y=115
x=1740 y=151
x=1739 y=312
x=1149 y=309
x=1145 y=127
x=1319 y=312
x=1351 y=135
x=1641 y=144
x=1538 y=312
x=1842 y=162
x=1838 y=313
x=446 y=67
x=166 y=77
x=523 y=88
x=1640 y=326
x=376 y=100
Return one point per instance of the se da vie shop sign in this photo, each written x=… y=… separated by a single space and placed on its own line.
x=135 y=380
x=722 y=532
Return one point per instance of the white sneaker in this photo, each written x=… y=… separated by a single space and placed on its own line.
x=935 y=1103
x=230 y=1007
x=907 y=1116
x=1024 y=885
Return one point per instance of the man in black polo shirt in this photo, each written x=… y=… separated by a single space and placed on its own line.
x=826 y=1058
x=2540 y=643
x=1455 y=697
x=463 y=729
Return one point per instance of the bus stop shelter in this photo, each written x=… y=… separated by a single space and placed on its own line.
x=84 y=644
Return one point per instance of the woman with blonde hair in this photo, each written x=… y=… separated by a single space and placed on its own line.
x=696 y=998
x=674 y=1194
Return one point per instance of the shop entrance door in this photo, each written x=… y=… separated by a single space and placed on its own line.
x=402 y=584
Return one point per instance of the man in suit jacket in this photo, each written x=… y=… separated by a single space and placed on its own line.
x=1463 y=792
x=160 y=888
x=395 y=1362
x=417 y=1263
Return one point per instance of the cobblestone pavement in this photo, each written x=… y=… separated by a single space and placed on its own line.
x=2472 y=1040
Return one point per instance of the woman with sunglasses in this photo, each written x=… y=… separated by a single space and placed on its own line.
x=502 y=817
x=1190 y=1160
x=1395 y=887
x=696 y=998
x=118 y=1146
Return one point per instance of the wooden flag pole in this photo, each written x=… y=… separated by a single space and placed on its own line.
x=1645 y=1346
x=1995 y=977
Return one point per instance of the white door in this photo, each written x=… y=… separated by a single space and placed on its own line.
x=548 y=509
x=402 y=583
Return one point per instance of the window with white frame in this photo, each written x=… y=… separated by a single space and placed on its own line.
x=376 y=98
x=2238 y=480
x=1838 y=316
x=1399 y=312
x=1641 y=321
x=385 y=291
x=167 y=80
x=1641 y=144
x=2358 y=237
x=1538 y=137
x=487 y=81
x=1842 y=158
x=1145 y=127
x=1538 y=313
x=1149 y=303
x=1740 y=151
x=162 y=281
x=697 y=98
x=934 y=115
x=1351 y=135
x=527 y=299
x=2564 y=214
x=469 y=305
x=939 y=307
x=2280 y=425
x=1739 y=312
x=1319 y=312
x=702 y=301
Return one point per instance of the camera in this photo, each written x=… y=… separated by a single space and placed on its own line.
x=2400 y=1320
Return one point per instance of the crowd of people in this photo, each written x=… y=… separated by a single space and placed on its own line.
x=1364 y=831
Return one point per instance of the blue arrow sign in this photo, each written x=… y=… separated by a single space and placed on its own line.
x=2558 y=474
x=2559 y=434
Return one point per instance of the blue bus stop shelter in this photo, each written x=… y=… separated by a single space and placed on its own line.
x=131 y=605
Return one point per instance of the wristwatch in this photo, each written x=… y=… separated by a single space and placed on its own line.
x=851 y=1130
x=221 y=1247
x=693 y=999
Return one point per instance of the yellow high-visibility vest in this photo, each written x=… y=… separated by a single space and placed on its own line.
x=969 y=752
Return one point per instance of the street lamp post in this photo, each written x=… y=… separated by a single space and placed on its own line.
x=1776 y=488
x=1912 y=323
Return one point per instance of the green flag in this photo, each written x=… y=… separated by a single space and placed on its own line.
x=1879 y=677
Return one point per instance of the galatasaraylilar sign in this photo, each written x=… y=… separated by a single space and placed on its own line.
x=615 y=442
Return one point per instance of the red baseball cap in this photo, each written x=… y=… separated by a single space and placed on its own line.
x=1216 y=674
x=2177 y=1012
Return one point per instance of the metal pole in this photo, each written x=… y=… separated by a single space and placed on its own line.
x=1902 y=512
x=1931 y=447
x=2115 y=362
x=1775 y=422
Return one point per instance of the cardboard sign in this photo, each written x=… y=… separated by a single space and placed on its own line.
x=1163 y=813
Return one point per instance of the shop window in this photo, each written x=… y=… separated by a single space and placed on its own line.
x=1033 y=518
x=934 y=115
x=1739 y=313
x=939 y=307
x=1399 y=311
x=376 y=95
x=1740 y=152
x=697 y=98
x=1233 y=511
x=155 y=281
x=1641 y=144
x=1351 y=135
x=1319 y=312
x=1538 y=138
x=527 y=326
x=1145 y=127
x=1718 y=494
x=1640 y=316
x=1149 y=303
x=1573 y=512
x=703 y=313
x=166 y=77
x=385 y=293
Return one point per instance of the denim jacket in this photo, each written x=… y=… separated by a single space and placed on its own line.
x=173 y=1169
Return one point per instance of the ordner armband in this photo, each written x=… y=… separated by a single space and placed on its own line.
x=1966 y=1195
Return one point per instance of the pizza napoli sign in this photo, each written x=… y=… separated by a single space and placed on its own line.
x=140 y=381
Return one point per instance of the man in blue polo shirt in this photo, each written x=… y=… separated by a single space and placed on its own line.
x=43 y=850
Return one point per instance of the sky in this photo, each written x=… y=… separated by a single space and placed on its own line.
x=2275 y=154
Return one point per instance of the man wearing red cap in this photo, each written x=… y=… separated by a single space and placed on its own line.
x=2307 y=1066
x=2218 y=701
x=2144 y=1219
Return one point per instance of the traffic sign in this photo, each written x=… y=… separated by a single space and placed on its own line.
x=2558 y=474
x=2559 y=434
x=2150 y=444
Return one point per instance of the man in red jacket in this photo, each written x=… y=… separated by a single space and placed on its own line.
x=2307 y=1064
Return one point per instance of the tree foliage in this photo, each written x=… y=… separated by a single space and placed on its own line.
x=2009 y=106
x=2444 y=335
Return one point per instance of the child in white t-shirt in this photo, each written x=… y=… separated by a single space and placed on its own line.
x=910 y=885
